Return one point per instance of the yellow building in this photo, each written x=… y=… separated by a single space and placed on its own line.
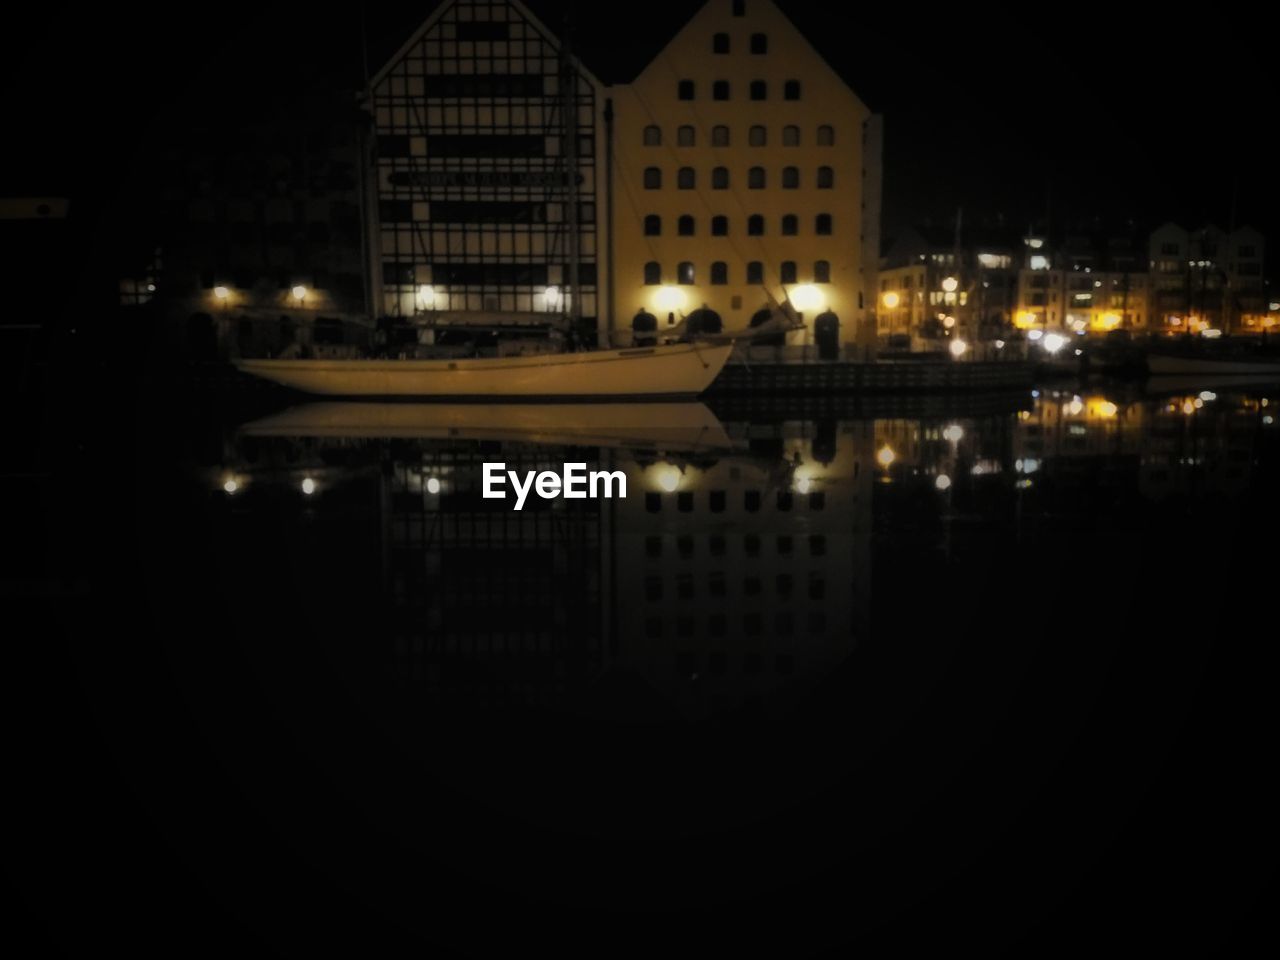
x=746 y=174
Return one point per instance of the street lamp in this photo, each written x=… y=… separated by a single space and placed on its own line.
x=222 y=293
x=299 y=293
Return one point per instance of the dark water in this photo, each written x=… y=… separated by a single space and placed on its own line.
x=895 y=674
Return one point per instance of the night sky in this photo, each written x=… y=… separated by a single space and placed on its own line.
x=1069 y=113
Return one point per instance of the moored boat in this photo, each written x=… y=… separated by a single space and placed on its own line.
x=1160 y=364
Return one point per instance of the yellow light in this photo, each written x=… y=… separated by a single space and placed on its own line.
x=231 y=486
x=958 y=347
x=221 y=293
x=807 y=297
x=308 y=486
x=433 y=485
x=1025 y=319
x=299 y=292
x=668 y=299
x=669 y=479
x=1188 y=407
x=890 y=299
x=426 y=296
x=803 y=484
x=886 y=456
x=950 y=284
x=1101 y=408
x=943 y=482
x=948 y=322
x=1109 y=321
x=954 y=433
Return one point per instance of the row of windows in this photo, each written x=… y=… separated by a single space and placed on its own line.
x=717 y=586
x=757 y=178
x=759 y=43
x=717 y=544
x=752 y=625
x=787 y=273
x=686 y=225
x=757 y=136
x=756 y=89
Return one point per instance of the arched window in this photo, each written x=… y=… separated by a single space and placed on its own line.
x=755 y=225
x=684 y=273
x=653 y=178
x=791 y=90
x=719 y=226
x=755 y=178
x=826 y=178
x=652 y=273
x=719 y=136
x=790 y=178
x=720 y=90
x=720 y=178
x=826 y=136
x=720 y=43
x=755 y=272
x=759 y=90
x=685 y=178
x=822 y=224
x=787 y=271
x=719 y=273
x=821 y=271
x=652 y=136
x=790 y=225
x=791 y=136
x=653 y=225
x=756 y=137
x=684 y=90
x=759 y=43
x=684 y=136
x=684 y=226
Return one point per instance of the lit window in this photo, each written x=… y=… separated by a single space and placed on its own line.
x=685 y=136
x=684 y=226
x=684 y=90
x=720 y=178
x=791 y=136
x=790 y=178
x=684 y=273
x=755 y=225
x=720 y=90
x=759 y=90
x=685 y=178
x=652 y=178
x=652 y=136
x=790 y=225
x=720 y=43
x=791 y=90
x=826 y=136
x=821 y=271
x=759 y=43
x=652 y=273
x=826 y=178
x=719 y=226
x=719 y=273
x=756 y=137
x=653 y=225
x=755 y=178
x=719 y=136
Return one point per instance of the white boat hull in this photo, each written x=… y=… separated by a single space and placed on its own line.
x=676 y=370
x=1164 y=363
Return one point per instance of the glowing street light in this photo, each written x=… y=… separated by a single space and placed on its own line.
x=222 y=293
x=954 y=433
x=426 y=296
x=957 y=348
x=886 y=456
x=669 y=478
x=433 y=485
x=308 y=486
x=943 y=482
x=807 y=297
x=890 y=299
x=552 y=296
x=950 y=284
x=670 y=299
x=299 y=293
x=1053 y=342
x=230 y=486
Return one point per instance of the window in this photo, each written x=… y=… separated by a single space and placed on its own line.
x=720 y=43
x=652 y=136
x=821 y=271
x=739 y=8
x=653 y=225
x=755 y=225
x=684 y=272
x=720 y=90
x=826 y=178
x=759 y=90
x=788 y=275
x=756 y=137
x=719 y=226
x=790 y=178
x=751 y=504
x=790 y=136
x=719 y=273
x=652 y=273
x=684 y=90
x=720 y=178
x=720 y=136
x=685 y=178
x=684 y=136
x=790 y=225
x=755 y=178
x=826 y=135
x=684 y=226
x=791 y=90
x=822 y=224
x=755 y=272
x=759 y=43
x=652 y=178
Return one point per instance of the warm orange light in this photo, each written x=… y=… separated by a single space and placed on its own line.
x=890 y=299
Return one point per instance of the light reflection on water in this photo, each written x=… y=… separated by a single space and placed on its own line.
x=742 y=566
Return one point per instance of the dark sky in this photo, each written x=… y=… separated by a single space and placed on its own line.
x=1148 y=114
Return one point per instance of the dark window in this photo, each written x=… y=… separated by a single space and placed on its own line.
x=755 y=178
x=817 y=500
x=791 y=90
x=487 y=211
x=784 y=623
x=684 y=136
x=719 y=226
x=826 y=135
x=684 y=546
x=790 y=178
x=716 y=499
x=826 y=178
x=653 y=588
x=720 y=178
x=755 y=225
x=684 y=226
x=490 y=274
x=756 y=137
x=685 y=178
x=790 y=225
x=684 y=501
x=653 y=225
x=759 y=90
x=716 y=545
x=755 y=272
x=486 y=85
x=751 y=586
x=720 y=90
x=483 y=30
x=822 y=224
x=393 y=146
x=653 y=547
x=739 y=8
x=782 y=584
x=684 y=273
x=395 y=211
x=821 y=271
x=791 y=136
x=652 y=273
x=652 y=136
x=817 y=544
x=751 y=501
x=653 y=178
x=720 y=43
x=719 y=273
x=487 y=145
x=751 y=542
x=759 y=43
x=653 y=502
x=787 y=271
x=720 y=136
x=684 y=90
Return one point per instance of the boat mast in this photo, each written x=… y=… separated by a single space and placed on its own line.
x=571 y=301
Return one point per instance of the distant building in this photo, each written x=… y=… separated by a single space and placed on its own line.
x=1082 y=285
x=1208 y=279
